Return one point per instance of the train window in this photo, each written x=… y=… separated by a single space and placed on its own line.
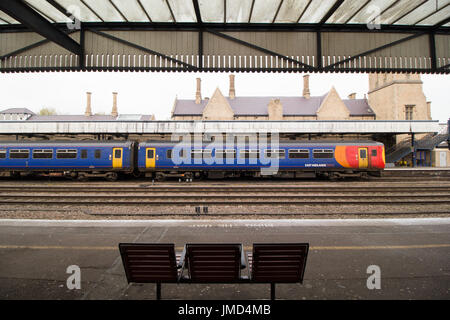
x=98 y=153
x=219 y=153
x=19 y=154
x=169 y=154
x=118 y=153
x=196 y=154
x=150 y=154
x=42 y=154
x=243 y=154
x=83 y=154
x=374 y=153
x=207 y=153
x=298 y=154
x=323 y=153
x=276 y=154
x=230 y=154
x=249 y=154
x=363 y=153
x=66 y=154
x=254 y=154
x=2 y=154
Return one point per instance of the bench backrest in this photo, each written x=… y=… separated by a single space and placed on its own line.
x=278 y=263
x=214 y=262
x=149 y=262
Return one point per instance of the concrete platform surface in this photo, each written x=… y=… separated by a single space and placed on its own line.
x=413 y=256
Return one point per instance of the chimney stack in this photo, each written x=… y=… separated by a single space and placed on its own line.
x=114 y=111
x=232 y=93
x=88 y=111
x=198 y=93
x=429 y=110
x=352 y=95
x=306 y=86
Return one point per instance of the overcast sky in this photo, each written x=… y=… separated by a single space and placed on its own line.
x=154 y=93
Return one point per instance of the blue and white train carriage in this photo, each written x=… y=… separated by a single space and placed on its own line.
x=74 y=159
x=333 y=159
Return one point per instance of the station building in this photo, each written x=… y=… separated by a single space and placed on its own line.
x=391 y=96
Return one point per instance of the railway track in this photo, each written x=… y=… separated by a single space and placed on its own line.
x=206 y=199
x=147 y=199
x=4 y=190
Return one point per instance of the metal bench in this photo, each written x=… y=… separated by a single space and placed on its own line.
x=150 y=263
x=214 y=263
x=277 y=263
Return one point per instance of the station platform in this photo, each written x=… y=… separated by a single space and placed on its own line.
x=443 y=172
x=412 y=255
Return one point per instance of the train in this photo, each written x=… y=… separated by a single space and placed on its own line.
x=159 y=160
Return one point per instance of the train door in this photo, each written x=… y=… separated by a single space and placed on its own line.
x=363 y=158
x=150 y=154
x=117 y=157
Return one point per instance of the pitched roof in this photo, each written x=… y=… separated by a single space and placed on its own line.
x=358 y=107
x=257 y=106
x=17 y=110
x=71 y=118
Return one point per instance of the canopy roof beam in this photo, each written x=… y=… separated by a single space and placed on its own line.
x=30 y=18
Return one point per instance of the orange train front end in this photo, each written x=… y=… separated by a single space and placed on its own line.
x=368 y=157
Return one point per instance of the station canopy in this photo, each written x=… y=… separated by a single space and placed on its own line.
x=419 y=38
x=392 y=12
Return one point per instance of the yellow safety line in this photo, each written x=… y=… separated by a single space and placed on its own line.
x=248 y=248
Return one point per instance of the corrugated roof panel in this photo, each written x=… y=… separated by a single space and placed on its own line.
x=211 y=10
x=78 y=10
x=183 y=10
x=157 y=10
x=105 y=9
x=399 y=9
x=238 y=10
x=48 y=10
x=7 y=18
x=316 y=10
x=437 y=17
x=346 y=11
x=422 y=12
x=291 y=10
x=131 y=10
x=264 y=11
x=371 y=10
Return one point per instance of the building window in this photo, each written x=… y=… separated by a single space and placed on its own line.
x=409 y=109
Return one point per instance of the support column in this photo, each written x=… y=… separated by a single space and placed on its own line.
x=272 y=291
x=414 y=151
x=158 y=291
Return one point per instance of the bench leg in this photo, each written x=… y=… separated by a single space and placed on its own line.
x=272 y=291
x=158 y=291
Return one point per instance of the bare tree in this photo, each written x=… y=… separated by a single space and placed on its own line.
x=47 y=112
